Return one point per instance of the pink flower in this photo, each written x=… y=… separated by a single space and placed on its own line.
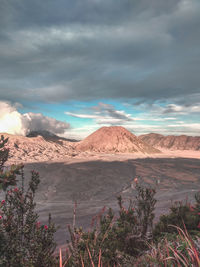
x=0 y=217
x=198 y=226
x=45 y=227
x=198 y=213
x=2 y=202
x=16 y=189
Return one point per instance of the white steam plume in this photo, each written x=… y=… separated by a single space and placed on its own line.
x=13 y=122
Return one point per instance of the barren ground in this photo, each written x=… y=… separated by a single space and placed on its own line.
x=95 y=180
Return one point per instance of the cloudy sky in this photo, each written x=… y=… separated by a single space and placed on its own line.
x=72 y=66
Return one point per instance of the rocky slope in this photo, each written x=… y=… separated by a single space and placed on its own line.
x=36 y=148
x=182 y=142
x=114 y=139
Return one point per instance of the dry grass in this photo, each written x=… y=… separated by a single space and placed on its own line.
x=182 y=252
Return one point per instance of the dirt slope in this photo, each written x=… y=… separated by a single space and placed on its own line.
x=115 y=139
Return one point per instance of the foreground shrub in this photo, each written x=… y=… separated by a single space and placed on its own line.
x=87 y=247
x=182 y=215
x=133 y=228
x=114 y=239
x=23 y=240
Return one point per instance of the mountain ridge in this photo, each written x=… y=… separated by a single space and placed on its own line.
x=172 y=142
x=107 y=140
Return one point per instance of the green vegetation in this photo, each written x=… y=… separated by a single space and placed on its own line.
x=128 y=238
x=183 y=215
x=114 y=238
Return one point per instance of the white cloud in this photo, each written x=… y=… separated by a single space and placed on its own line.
x=194 y=126
x=13 y=122
x=37 y=122
x=82 y=116
x=181 y=109
x=104 y=114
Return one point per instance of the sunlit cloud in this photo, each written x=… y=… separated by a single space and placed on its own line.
x=13 y=122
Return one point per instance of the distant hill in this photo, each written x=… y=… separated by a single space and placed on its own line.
x=45 y=146
x=49 y=136
x=114 y=139
x=172 y=142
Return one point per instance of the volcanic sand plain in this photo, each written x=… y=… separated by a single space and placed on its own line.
x=95 y=180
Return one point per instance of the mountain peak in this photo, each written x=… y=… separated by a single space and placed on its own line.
x=114 y=139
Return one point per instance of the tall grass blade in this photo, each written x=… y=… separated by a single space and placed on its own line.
x=90 y=257
x=99 y=263
x=61 y=258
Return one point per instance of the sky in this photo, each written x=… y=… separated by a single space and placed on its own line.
x=73 y=66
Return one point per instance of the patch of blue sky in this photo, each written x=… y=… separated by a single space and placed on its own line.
x=57 y=111
x=78 y=122
x=69 y=106
x=47 y=109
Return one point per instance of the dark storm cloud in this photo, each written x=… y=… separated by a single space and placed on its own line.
x=88 y=49
x=23 y=13
x=110 y=110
